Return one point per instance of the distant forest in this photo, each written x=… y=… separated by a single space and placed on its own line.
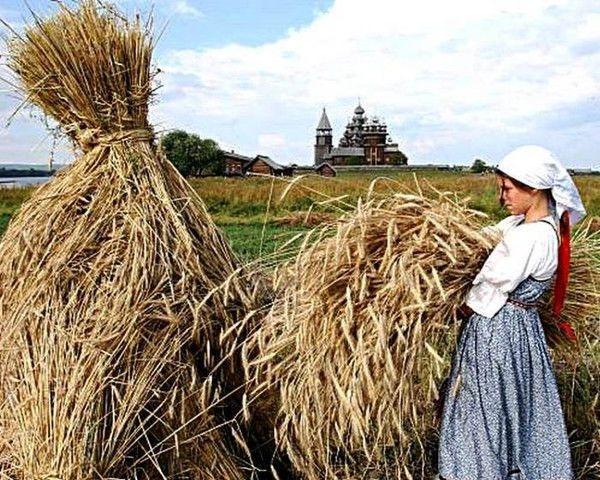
x=25 y=172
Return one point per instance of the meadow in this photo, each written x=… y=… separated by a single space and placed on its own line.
x=257 y=221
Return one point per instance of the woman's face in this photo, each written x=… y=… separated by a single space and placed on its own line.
x=516 y=200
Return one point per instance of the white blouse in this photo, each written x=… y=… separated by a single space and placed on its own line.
x=525 y=249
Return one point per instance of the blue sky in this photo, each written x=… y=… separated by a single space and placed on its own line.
x=453 y=80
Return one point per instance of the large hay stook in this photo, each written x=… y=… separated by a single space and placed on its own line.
x=123 y=307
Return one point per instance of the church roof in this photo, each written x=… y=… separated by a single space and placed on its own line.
x=347 y=151
x=324 y=122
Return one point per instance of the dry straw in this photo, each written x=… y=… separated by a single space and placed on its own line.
x=352 y=353
x=122 y=305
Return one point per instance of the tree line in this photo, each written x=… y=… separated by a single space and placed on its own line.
x=199 y=157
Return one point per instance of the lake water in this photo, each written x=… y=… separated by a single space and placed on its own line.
x=12 y=182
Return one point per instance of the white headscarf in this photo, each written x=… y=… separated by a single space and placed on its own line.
x=539 y=168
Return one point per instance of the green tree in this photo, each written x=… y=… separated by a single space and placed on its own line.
x=398 y=158
x=479 y=166
x=177 y=146
x=192 y=155
x=211 y=160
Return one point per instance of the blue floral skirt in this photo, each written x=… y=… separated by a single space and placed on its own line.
x=502 y=417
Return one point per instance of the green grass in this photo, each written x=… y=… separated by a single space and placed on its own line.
x=4 y=219
x=12 y=198
x=249 y=242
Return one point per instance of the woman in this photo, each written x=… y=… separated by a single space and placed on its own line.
x=502 y=417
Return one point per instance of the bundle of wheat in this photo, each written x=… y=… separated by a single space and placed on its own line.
x=362 y=329
x=122 y=306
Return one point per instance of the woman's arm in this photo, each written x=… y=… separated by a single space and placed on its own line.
x=521 y=252
x=503 y=224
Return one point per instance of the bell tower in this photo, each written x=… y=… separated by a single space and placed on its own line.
x=324 y=139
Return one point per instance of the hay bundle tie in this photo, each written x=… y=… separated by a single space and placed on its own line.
x=90 y=138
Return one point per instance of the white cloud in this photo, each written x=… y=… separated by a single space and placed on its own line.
x=589 y=27
x=184 y=8
x=445 y=71
x=270 y=140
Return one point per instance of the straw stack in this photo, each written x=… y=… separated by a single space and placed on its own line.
x=122 y=306
x=362 y=331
